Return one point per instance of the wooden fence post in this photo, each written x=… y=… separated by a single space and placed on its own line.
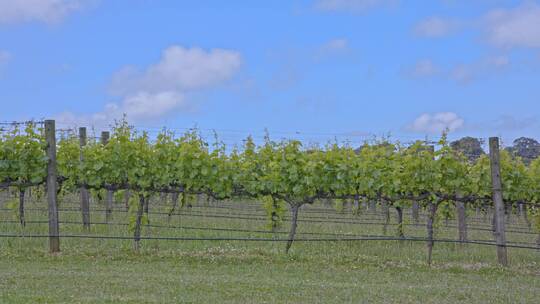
x=50 y=136
x=85 y=200
x=498 y=200
x=21 y=207
x=108 y=210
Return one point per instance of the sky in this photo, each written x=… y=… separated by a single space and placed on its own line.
x=315 y=70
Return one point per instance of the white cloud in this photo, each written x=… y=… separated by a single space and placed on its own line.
x=502 y=27
x=516 y=27
x=143 y=106
x=437 y=123
x=351 y=5
x=49 y=11
x=160 y=89
x=436 y=27
x=179 y=69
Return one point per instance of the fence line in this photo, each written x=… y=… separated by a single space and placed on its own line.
x=307 y=220
x=413 y=239
x=343 y=235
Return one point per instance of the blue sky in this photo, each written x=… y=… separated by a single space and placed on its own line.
x=313 y=70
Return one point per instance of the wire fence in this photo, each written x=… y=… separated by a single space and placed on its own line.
x=306 y=219
x=253 y=212
x=311 y=214
x=372 y=238
x=339 y=236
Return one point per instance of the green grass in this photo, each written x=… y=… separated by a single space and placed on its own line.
x=108 y=271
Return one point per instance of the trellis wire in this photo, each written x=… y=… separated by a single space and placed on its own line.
x=268 y=239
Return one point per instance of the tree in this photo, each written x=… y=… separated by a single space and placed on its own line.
x=469 y=146
x=526 y=148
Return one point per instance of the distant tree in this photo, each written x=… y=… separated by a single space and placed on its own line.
x=526 y=148
x=386 y=144
x=470 y=147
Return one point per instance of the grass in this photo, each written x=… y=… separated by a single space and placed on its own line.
x=108 y=271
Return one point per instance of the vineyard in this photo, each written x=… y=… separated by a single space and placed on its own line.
x=177 y=194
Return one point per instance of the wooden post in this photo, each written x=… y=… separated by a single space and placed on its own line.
x=494 y=224
x=105 y=137
x=498 y=201
x=21 y=207
x=110 y=194
x=85 y=199
x=54 y=230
